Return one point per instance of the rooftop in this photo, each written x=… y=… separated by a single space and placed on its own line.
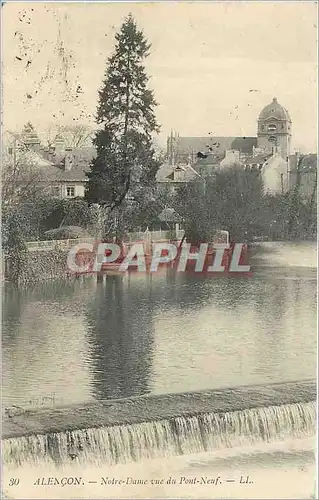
x=274 y=110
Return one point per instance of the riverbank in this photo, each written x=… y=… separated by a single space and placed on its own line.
x=45 y=260
x=48 y=261
x=107 y=413
x=281 y=254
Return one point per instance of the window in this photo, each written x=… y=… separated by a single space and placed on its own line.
x=56 y=191
x=70 y=191
x=272 y=128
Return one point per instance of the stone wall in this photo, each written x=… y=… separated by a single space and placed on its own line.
x=42 y=260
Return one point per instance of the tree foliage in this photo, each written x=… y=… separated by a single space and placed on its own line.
x=73 y=136
x=229 y=199
x=21 y=175
x=32 y=219
x=125 y=158
x=233 y=199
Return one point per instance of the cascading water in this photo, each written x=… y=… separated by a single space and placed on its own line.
x=176 y=436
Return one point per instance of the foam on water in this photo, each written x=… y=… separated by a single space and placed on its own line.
x=176 y=436
x=283 y=469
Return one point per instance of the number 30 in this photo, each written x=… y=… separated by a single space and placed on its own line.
x=14 y=481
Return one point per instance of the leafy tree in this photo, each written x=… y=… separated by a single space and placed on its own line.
x=229 y=199
x=312 y=210
x=14 y=246
x=234 y=199
x=190 y=202
x=302 y=211
x=125 y=158
x=22 y=178
x=35 y=217
x=73 y=136
x=140 y=213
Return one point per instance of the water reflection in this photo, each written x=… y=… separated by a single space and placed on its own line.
x=80 y=339
x=120 y=336
x=44 y=345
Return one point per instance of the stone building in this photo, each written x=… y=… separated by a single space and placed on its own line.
x=274 y=129
x=269 y=151
x=60 y=171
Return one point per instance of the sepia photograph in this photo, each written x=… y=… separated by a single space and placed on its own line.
x=159 y=249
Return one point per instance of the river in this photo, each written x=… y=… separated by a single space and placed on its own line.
x=79 y=340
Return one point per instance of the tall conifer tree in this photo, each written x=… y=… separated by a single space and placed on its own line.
x=125 y=161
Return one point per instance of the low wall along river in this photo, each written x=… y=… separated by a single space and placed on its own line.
x=45 y=260
x=117 y=431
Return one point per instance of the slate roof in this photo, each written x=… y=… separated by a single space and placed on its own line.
x=244 y=144
x=53 y=171
x=274 y=110
x=259 y=159
x=76 y=174
x=189 y=145
x=166 y=173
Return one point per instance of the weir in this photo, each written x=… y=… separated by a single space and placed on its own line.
x=146 y=427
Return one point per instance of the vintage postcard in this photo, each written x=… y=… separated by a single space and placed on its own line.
x=159 y=250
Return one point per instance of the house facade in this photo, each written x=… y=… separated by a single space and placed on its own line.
x=60 y=171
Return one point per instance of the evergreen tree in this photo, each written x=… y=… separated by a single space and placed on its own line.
x=125 y=160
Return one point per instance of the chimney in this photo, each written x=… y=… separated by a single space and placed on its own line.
x=31 y=138
x=59 y=144
x=178 y=173
x=51 y=154
x=68 y=159
x=45 y=153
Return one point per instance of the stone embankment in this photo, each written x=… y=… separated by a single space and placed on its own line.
x=18 y=422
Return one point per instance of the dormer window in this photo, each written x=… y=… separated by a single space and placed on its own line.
x=178 y=173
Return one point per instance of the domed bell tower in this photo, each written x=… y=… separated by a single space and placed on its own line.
x=274 y=129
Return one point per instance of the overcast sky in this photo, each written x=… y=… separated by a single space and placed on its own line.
x=205 y=59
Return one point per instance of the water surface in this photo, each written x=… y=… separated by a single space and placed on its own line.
x=79 y=340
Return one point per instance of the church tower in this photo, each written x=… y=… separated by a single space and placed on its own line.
x=274 y=129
